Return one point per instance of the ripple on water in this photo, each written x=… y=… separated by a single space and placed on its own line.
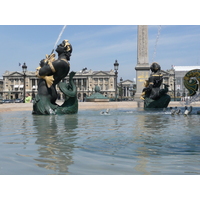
x=125 y=142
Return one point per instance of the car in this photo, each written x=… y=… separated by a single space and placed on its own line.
x=18 y=101
x=6 y=101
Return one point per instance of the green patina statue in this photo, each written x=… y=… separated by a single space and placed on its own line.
x=97 y=96
x=153 y=96
x=51 y=72
x=190 y=81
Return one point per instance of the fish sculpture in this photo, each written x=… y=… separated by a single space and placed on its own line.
x=190 y=81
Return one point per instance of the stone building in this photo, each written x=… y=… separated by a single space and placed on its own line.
x=13 y=84
x=168 y=79
x=127 y=89
x=85 y=80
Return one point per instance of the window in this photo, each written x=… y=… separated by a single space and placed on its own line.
x=33 y=82
x=84 y=83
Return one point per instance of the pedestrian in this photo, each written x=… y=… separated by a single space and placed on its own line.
x=28 y=98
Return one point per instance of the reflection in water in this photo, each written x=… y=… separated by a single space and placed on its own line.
x=147 y=128
x=137 y=142
x=166 y=135
x=55 y=140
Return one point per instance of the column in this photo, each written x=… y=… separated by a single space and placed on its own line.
x=142 y=68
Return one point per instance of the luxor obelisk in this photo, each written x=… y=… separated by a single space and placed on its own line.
x=142 y=67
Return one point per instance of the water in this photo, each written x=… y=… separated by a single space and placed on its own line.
x=59 y=36
x=124 y=142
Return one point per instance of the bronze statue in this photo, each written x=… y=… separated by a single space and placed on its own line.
x=153 y=96
x=192 y=80
x=51 y=72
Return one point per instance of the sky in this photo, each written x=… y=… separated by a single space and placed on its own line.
x=96 y=47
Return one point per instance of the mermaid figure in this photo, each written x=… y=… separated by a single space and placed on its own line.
x=153 y=96
x=50 y=72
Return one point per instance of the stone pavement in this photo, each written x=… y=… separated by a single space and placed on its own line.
x=6 y=107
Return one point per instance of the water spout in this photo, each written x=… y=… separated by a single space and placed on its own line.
x=58 y=38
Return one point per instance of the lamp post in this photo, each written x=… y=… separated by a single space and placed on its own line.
x=88 y=91
x=121 y=87
x=24 y=69
x=116 y=64
x=83 y=92
x=174 y=86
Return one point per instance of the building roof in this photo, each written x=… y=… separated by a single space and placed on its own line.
x=185 y=68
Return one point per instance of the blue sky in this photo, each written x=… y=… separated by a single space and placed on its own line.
x=97 y=46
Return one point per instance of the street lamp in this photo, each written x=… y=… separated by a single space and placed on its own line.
x=24 y=69
x=83 y=92
x=88 y=91
x=174 y=86
x=116 y=64
x=121 y=87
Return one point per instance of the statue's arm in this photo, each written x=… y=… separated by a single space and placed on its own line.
x=47 y=69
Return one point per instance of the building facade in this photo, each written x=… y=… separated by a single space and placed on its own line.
x=11 y=86
x=85 y=81
x=127 y=89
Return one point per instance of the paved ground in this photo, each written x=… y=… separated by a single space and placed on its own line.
x=88 y=105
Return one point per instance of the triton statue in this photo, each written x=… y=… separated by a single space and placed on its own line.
x=153 y=96
x=51 y=72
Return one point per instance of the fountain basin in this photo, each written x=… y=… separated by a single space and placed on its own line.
x=128 y=141
x=89 y=105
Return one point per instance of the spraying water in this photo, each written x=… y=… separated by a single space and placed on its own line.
x=157 y=38
x=59 y=37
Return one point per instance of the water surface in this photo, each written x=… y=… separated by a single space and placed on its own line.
x=126 y=142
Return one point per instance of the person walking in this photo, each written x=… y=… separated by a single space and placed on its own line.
x=28 y=98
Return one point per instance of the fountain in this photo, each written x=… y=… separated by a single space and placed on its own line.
x=190 y=81
x=51 y=71
x=126 y=142
x=120 y=142
x=97 y=96
x=153 y=96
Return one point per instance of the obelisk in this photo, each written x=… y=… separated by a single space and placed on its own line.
x=142 y=67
